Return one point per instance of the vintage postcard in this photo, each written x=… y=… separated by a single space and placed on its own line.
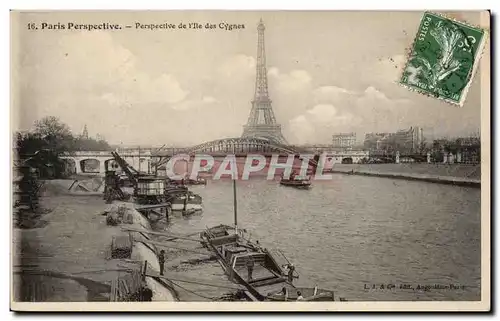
x=250 y=161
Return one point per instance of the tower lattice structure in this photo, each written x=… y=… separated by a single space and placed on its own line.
x=261 y=121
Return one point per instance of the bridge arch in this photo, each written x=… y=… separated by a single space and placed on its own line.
x=347 y=160
x=249 y=145
x=242 y=145
x=111 y=164
x=90 y=165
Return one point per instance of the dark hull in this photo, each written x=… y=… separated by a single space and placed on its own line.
x=296 y=184
x=188 y=182
x=180 y=196
x=232 y=250
x=229 y=271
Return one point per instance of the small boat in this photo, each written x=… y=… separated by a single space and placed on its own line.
x=198 y=181
x=296 y=183
x=189 y=181
x=181 y=198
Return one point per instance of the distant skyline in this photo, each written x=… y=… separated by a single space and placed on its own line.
x=185 y=87
x=359 y=139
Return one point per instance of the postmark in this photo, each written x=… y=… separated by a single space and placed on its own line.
x=443 y=58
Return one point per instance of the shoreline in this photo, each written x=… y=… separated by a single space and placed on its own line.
x=141 y=251
x=67 y=258
x=458 y=175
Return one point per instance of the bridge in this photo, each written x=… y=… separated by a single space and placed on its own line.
x=145 y=160
x=261 y=135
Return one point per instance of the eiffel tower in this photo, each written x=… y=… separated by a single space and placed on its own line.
x=262 y=122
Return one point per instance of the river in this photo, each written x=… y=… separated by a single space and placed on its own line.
x=354 y=233
x=347 y=234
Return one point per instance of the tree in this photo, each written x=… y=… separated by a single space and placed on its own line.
x=55 y=134
x=49 y=139
x=52 y=126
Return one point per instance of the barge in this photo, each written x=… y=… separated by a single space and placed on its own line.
x=268 y=280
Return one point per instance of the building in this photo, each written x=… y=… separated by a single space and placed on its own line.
x=406 y=141
x=465 y=150
x=344 y=141
x=85 y=133
x=346 y=157
x=375 y=141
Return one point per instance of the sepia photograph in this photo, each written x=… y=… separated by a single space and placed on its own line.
x=250 y=160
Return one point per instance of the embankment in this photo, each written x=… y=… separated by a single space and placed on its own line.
x=453 y=174
x=142 y=251
x=67 y=259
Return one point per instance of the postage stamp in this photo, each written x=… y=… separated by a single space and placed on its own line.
x=443 y=58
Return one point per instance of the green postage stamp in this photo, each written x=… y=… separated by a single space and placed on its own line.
x=443 y=58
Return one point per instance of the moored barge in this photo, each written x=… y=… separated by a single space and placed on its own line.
x=268 y=280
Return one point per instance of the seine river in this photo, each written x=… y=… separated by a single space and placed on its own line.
x=355 y=235
x=349 y=235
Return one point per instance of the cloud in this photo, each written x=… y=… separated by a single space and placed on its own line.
x=162 y=89
x=295 y=80
x=209 y=99
x=195 y=103
x=112 y=71
x=382 y=113
x=330 y=93
x=319 y=123
x=238 y=66
x=379 y=101
x=336 y=109
x=120 y=86
x=372 y=92
x=302 y=129
x=327 y=114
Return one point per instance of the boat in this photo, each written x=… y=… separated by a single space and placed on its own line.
x=269 y=281
x=269 y=278
x=181 y=198
x=296 y=182
x=304 y=184
x=189 y=181
x=197 y=181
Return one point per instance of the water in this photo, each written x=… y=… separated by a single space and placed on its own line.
x=346 y=234
x=353 y=233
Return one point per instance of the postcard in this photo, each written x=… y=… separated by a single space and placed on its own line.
x=250 y=161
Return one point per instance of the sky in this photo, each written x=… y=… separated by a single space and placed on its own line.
x=328 y=72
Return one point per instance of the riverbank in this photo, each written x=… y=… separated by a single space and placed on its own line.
x=68 y=259
x=453 y=174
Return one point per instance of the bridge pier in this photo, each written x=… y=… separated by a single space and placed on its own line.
x=102 y=168
x=78 y=166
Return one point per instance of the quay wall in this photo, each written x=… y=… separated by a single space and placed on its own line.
x=143 y=252
x=72 y=242
x=455 y=174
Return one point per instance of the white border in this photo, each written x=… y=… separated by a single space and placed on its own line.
x=430 y=5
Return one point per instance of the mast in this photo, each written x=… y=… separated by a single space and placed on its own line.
x=235 y=198
x=139 y=159
x=235 y=207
